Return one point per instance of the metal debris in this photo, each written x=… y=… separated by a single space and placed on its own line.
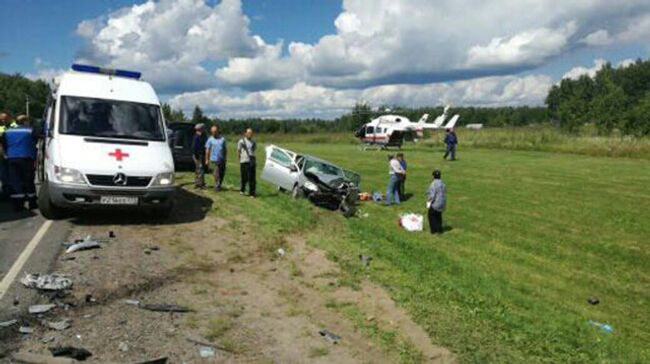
x=132 y=302
x=58 y=325
x=80 y=354
x=365 y=260
x=165 y=307
x=206 y=352
x=38 y=309
x=123 y=346
x=330 y=336
x=162 y=360
x=47 y=282
x=8 y=323
x=26 y=330
x=593 y=300
x=87 y=243
x=281 y=252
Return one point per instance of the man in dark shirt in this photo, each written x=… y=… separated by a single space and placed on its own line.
x=198 y=154
x=451 y=140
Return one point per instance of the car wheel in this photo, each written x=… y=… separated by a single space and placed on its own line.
x=296 y=192
x=48 y=209
x=347 y=210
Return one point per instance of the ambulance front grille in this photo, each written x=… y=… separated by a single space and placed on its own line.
x=107 y=180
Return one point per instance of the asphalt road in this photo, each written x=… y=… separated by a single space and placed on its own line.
x=28 y=243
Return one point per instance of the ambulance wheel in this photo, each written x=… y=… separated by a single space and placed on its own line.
x=48 y=209
x=296 y=192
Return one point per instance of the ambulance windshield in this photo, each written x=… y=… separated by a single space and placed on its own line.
x=110 y=119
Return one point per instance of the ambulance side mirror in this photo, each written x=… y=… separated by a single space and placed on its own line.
x=39 y=128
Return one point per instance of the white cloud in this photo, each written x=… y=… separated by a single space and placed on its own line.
x=598 y=38
x=393 y=51
x=531 y=47
x=302 y=100
x=169 y=40
x=50 y=75
x=578 y=71
x=419 y=41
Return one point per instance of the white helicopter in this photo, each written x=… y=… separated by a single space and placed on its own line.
x=391 y=130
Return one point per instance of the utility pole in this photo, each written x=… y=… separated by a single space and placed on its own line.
x=27 y=106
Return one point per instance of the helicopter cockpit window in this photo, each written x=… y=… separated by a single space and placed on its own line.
x=397 y=120
x=370 y=129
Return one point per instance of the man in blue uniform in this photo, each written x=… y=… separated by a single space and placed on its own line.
x=5 y=123
x=19 y=146
x=451 y=140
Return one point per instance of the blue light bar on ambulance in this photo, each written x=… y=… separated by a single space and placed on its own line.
x=106 y=71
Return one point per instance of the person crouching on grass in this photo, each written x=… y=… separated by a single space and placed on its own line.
x=216 y=153
x=436 y=202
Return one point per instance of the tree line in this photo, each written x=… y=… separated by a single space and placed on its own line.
x=615 y=99
x=361 y=114
x=16 y=91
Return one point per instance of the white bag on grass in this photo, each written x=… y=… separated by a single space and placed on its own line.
x=412 y=222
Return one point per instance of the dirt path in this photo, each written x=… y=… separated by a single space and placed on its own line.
x=254 y=304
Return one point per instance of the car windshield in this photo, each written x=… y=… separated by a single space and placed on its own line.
x=318 y=167
x=110 y=119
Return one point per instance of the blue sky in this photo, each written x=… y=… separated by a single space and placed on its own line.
x=307 y=58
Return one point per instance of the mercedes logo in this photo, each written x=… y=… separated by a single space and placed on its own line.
x=119 y=179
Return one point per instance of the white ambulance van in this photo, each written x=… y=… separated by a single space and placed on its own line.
x=105 y=145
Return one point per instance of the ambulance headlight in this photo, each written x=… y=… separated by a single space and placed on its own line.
x=68 y=176
x=310 y=186
x=164 y=179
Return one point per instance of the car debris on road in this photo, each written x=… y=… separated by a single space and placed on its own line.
x=26 y=330
x=87 y=243
x=8 y=323
x=165 y=307
x=80 y=354
x=57 y=325
x=46 y=282
x=39 y=309
x=330 y=336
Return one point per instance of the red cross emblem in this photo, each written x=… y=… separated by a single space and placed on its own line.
x=118 y=154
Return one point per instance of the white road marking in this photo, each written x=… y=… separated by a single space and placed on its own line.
x=22 y=259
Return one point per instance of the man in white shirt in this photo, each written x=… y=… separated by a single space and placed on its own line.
x=395 y=172
x=246 y=148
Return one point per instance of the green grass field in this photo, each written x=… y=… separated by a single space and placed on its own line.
x=531 y=236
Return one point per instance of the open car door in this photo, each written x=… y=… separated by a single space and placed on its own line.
x=279 y=168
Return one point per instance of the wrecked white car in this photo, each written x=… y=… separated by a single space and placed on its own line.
x=322 y=182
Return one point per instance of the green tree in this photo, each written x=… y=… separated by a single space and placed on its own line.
x=608 y=106
x=198 y=116
x=637 y=121
x=167 y=112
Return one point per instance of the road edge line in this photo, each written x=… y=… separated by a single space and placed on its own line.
x=9 y=278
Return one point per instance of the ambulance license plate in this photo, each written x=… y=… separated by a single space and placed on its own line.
x=118 y=200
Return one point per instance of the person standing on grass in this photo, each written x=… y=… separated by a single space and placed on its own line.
x=451 y=140
x=216 y=153
x=198 y=155
x=402 y=182
x=246 y=148
x=436 y=202
x=395 y=171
